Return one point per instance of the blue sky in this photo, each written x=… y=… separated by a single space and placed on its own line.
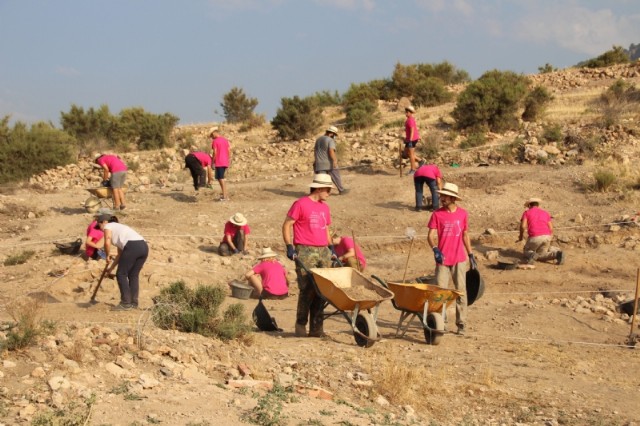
x=183 y=56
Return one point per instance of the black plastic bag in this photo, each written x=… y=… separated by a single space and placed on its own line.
x=263 y=320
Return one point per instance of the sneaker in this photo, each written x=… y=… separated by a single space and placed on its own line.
x=122 y=207
x=222 y=199
x=531 y=258
x=422 y=163
x=344 y=192
x=418 y=209
x=317 y=333
x=559 y=258
x=460 y=329
x=301 y=330
x=121 y=307
x=410 y=172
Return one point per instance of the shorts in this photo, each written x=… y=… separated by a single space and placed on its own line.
x=118 y=179
x=220 y=172
x=411 y=144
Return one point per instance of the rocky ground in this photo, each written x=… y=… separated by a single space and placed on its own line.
x=546 y=345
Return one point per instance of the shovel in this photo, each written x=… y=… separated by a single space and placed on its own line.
x=104 y=273
x=411 y=234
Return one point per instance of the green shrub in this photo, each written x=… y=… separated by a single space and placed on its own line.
x=604 y=180
x=547 y=68
x=383 y=88
x=74 y=414
x=237 y=107
x=473 y=140
x=431 y=92
x=535 y=103
x=620 y=99
x=491 y=102
x=393 y=124
x=424 y=83
x=256 y=120
x=552 y=133
x=19 y=258
x=297 y=118
x=326 y=98
x=181 y=308
x=28 y=151
x=361 y=107
x=429 y=149
x=26 y=325
x=133 y=126
x=616 y=55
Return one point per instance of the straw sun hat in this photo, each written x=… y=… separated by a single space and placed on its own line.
x=238 y=219
x=266 y=253
x=450 y=189
x=321 y=180
x=532 y=200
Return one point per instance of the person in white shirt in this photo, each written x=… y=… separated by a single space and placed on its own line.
x=132 y=254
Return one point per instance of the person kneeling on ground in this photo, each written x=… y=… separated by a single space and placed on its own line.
x=268 y=278
x=537 y=223
x=132 y=254
x=236 y=236
x=94 y=244
x=349 y=252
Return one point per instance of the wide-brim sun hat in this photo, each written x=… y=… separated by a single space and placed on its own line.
x=410 y=109
x=267 y=253
x=532 y=200
x=213 y=129
x=321 y=180
x=238 y=219
x=450 y=189
x=332 y=129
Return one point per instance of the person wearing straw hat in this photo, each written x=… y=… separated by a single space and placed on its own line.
x=132 y=254
x=349 y=252
x=199 y=164
x=306 y=234
x=449 y=224
x=325 y=158
x=411 y=139
x=114 y=171
x=269 y=277
x=537 y=223
x=221 y=159
x=236 y=236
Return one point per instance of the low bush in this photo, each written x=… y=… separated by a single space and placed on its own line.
x=619 y=100
x=196 y=311
x=361 y=107
x=552 y=133
x=535 y=103
x=255 y=120
x=19 y=258
x=473 y=140
x=616 y=55
x=604 y=180
x=26 y=326
x=326 y=98
x=237 y=106
x=547 y=68
x=297 y=118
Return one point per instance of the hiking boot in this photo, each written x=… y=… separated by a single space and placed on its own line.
x=301 y=330
x=422 y=163
x=122 y=307
x=418 y=209
x=559 y=258
x=410 y=172
x=316 y=333
x=531 y=258
x=344 y=192
x=460 y=329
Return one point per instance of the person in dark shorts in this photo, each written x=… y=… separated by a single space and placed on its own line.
x=221 y=159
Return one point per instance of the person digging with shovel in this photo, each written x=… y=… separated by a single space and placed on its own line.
x=132 y=254
x=450 y=224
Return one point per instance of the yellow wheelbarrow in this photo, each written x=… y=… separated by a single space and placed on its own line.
x=426 y=301
x=353 y=296
x=99 y=196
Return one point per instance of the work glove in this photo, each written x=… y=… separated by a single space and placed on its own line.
x=437 y=254
x=106 y=183
x=236 y=251
x=334 y=255
x=472 y=261
x=291 y=252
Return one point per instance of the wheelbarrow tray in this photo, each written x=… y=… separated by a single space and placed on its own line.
x=413 y=296
x=345 y=288
x=103 y=191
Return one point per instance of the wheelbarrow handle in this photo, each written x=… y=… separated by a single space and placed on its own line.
x=381 y=281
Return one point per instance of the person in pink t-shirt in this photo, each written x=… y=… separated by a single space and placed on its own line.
x=221 y=155
x=114 y=171
x=199 y=164
x=450 y=224
x=94 y=243
x=411 y=139
x=349 y=252
x=537 y=223
x=307 y=227
x=236 y=236
x=268 y=278
x=431 y=175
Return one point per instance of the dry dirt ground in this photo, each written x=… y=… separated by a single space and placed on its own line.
x=527 y=358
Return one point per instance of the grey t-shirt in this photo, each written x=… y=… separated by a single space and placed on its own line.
x=321 y=153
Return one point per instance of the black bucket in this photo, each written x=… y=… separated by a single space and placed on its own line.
x=263 y=320
x=475 y=286
x=627 y=306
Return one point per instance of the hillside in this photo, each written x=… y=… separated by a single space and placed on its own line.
x=546 y=345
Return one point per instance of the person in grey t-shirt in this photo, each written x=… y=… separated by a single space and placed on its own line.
x=326 y=160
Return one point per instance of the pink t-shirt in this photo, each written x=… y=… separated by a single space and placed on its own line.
x=311 y=221
x=430 y=171
x=113 y=163
x=347 y=244
x=231 y=230
x=94 y=235
x=274 y=277
x=409 y=124
x=450 y=227
x=203 y=157
x=537 y=221
x=221 y=148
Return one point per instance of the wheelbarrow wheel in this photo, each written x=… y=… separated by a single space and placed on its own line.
x=435 y=329
x=367 y=326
